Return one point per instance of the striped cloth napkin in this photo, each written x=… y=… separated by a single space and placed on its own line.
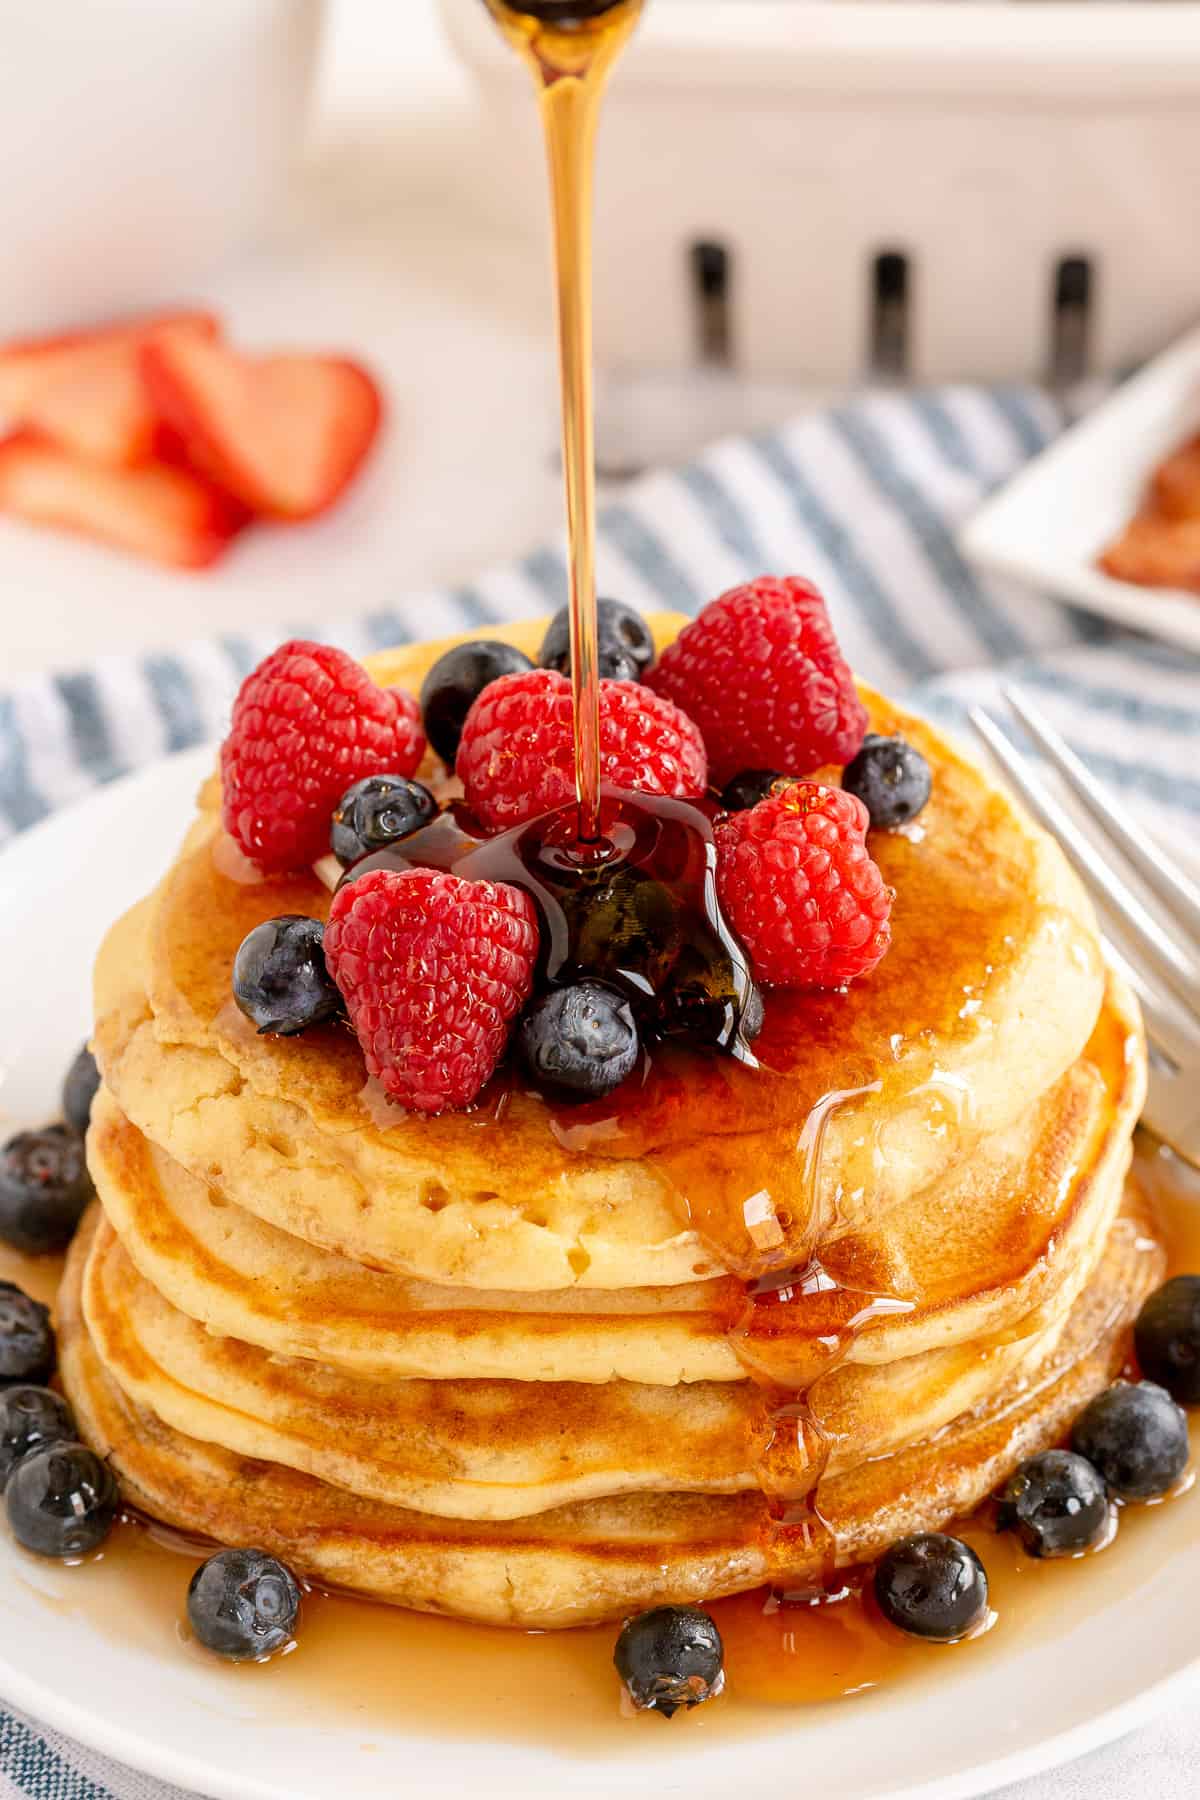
x=865 y=498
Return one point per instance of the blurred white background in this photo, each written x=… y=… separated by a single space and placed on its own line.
x=387 y=248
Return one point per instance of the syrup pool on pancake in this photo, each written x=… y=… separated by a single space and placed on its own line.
x=934 y=1585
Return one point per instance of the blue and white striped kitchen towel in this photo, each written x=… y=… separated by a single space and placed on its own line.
x=865 y=498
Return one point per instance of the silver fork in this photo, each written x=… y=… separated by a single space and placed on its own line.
x=1153 y=916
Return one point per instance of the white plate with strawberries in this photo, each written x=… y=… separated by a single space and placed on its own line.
x=157 y=437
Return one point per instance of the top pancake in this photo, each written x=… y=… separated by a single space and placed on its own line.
x=988 y=995
x=1005 y=1233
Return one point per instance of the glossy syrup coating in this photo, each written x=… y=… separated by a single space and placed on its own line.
x=243 y=1604
x=1058 y=1503
x=937 y=1047
x=639 y=914
x=932 y=1586
x=61 y=1501
x=30 y=1417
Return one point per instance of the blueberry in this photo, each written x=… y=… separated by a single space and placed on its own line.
x=932 y=1586
x=44 y=1187
x=79 y=1090
x=26 y=1337
x=30 y=1417
x=1057 y=1502
x=580 y=1040
x=456 y=681
x=670 y=1657
x=279 y=976
x=625 y=643
x=1167 y=1337
x=748 y=788
x=1136 y=1436
x=891 y=778
x=62 y=1500
x=376 y=812
x=243 y=1604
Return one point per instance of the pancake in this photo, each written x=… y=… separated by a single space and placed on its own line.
x=976 y=1254
x=603 y=1558
x=501 y=1449
x=505 y=1363
x=866 y=1098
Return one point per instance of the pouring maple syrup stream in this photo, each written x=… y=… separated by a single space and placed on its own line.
x=570 y=49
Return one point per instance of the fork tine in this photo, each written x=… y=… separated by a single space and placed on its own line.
x=1173 y=964
x=1166 y=1027
x=1173 y=889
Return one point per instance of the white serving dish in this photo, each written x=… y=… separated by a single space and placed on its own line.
x=986 y=143
x=1074 y=1677
x=140 y=143
x=1047 y=526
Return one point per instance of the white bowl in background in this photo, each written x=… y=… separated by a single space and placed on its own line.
x=140 y=144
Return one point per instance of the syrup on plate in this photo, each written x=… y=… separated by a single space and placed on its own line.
x=383 y=1668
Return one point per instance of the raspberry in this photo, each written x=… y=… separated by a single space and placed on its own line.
x=307 y=722
x=516 y=758
x=798 y=887
x=433 y=970
x=761 y=673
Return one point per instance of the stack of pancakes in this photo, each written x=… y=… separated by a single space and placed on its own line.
x=503 y=1364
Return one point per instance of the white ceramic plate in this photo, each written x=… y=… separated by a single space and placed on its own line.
x=1085 y=1674
x=1048 y=525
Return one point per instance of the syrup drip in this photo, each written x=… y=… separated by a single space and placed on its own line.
x=638 y=910
x=383 y=1668
x=570 y=52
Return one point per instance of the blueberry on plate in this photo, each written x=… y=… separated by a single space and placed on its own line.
x=44 y=1187
x=62 y=1500
x=1137 y=1437
x=1167 y=1338
x=243 y=1604
x=891 y=778
x=280 y=980
x=579 y=1040
x=456 y=681
x=26 y=1337
x=79 y=1090
x=30 y=1418
x=669 y=1658
x=748 y=788
x=932 y=1586
x=625 y=643
x=1057 y=1502
x=376 y=812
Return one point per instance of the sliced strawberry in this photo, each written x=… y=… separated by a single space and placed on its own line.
x=86 y=390
x=155 y=511
x=283 y=433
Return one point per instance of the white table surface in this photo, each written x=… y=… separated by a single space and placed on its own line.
x=392 y=250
